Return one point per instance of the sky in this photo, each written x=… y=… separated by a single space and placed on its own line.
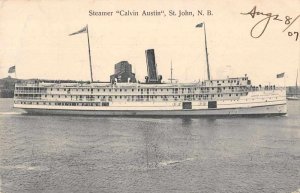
x=34 y=38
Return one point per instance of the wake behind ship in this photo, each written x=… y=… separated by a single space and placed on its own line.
x=123 y=96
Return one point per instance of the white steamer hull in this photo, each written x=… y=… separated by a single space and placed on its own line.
x=152 y=100
x=279 y=109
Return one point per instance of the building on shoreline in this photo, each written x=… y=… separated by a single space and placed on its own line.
x=7 y=86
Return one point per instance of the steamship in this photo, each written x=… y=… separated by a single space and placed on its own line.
x=125 y=96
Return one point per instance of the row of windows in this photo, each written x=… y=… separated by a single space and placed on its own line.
x=68 y=103
x=125 y=97
x=31 y=88
x=142 y=90
x=202 y=89
x=116 y=90
x=175 y=90
x=230 y=81
x=137 y=96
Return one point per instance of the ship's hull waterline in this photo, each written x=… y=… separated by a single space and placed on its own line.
x=279 y=109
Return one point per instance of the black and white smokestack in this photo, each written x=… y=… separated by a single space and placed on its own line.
x=151 y=66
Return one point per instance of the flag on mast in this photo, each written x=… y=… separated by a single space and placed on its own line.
x=83 y=30
x=12 y=69
x=199 y=25
x=281 y=75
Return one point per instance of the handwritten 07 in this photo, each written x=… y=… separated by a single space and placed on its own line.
x=264 y=22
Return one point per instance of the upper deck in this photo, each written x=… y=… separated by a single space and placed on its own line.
x=233 y=82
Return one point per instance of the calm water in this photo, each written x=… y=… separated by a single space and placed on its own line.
x=94 y=154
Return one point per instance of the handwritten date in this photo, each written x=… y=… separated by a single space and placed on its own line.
x=260 y=27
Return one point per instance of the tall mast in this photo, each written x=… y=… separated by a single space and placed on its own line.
x=208 y=72
x=91 y=69
x=171 y=69
x=83 y=30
